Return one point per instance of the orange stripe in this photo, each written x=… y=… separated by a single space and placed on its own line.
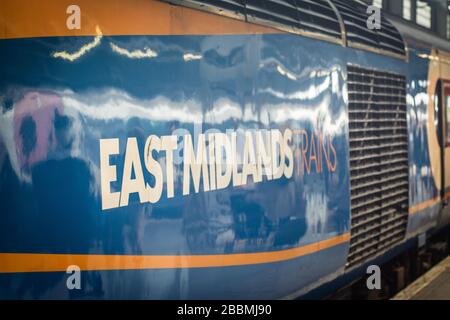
x=37 y=262
x=37 y=18
x=447 y=195
x=424 y=205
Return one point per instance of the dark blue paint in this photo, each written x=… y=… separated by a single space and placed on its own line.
x=51 y=203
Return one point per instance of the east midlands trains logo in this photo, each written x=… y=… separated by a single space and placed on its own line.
x=211 y=162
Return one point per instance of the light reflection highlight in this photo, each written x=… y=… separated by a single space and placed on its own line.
x=135 y=54
x=191 y=57
x=82 y=51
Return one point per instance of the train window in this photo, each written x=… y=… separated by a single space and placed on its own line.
x=423 y=14
x=448 y=26
x=447 y=110
x=437 y=108
x=378 y=3
x=407 y=9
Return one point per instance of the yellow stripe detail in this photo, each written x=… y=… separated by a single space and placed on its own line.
x=37 y=18
x=424 y=205
x=40 y=262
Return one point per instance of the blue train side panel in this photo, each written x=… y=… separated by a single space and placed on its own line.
x=79 y=117
x=55 y=112
x=421 y=176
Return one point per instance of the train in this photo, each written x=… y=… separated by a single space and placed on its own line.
x=214 y=149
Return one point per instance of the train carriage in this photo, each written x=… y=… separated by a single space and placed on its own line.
x=214 y=149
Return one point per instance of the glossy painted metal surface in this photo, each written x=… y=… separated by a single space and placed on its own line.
x=61 y=95
x=424 y=195
x=57 y=105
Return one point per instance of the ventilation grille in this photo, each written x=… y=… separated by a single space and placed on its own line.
x=315 y=16
x=338 y=21
x=231 y=8
x=354 y=15
x=308 y=17
x=378 y=162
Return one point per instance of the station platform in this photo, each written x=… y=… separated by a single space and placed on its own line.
x=433 y=285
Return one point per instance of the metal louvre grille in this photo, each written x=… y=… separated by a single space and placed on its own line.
x=387 y=39
x=308 y=17
x=231 y=8
x=300 y=15
x=337 y=21
x=378 y=162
